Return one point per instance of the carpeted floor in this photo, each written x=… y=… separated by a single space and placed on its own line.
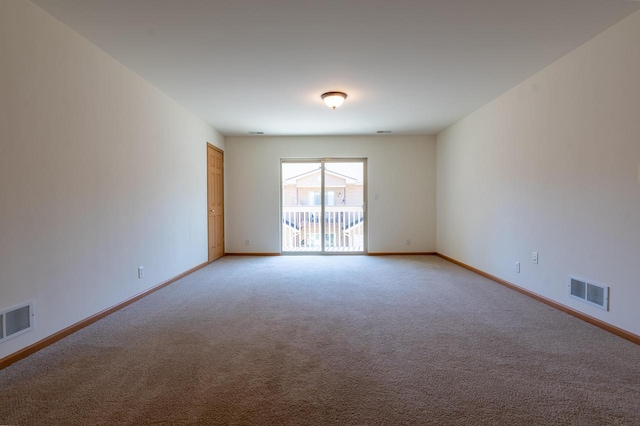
x=344 y=340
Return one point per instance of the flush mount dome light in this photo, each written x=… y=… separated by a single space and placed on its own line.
x=334 y=99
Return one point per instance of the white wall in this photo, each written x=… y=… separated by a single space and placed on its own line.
x=553 y=166
x=99 y=173
x=401 y=170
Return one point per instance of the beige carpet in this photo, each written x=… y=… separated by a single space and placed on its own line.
x=344 y=340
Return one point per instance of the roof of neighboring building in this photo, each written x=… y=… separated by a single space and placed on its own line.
x=293 y=179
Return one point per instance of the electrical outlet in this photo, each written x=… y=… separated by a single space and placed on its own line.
x=535 y=257
x=247 y=242
x=408 y=241
x=518 y=267
x=140 y=272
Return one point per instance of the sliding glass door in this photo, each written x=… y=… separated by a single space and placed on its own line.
x=323 y=206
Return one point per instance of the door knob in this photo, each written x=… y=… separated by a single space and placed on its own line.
x=210 y=210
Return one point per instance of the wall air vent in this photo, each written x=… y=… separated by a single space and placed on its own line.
x=593 y=294
x=16 y=320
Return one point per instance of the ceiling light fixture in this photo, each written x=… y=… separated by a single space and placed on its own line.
x=334 y=99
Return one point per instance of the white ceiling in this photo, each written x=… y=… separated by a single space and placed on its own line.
x=409 y=66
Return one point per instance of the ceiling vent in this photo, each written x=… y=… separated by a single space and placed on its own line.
x=16 y=320
x=593 y=294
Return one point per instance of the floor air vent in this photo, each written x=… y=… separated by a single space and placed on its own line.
x=593 y=294
x=16 y=320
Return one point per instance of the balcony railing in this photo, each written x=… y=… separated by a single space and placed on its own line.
x=343 y=228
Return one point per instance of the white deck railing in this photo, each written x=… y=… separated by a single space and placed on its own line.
x=343 y=228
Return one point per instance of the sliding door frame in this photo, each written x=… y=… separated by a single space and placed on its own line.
x=323 y=162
